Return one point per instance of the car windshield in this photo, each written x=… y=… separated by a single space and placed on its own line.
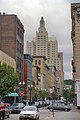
x=29 y=108
x=59 y=104
x=17 y=104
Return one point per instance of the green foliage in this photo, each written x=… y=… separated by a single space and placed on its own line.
x=8 y=79
x=69 y=93
x=66 y=93
x=44 y=93
x=68 y=82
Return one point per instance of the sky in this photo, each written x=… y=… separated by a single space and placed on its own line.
x=57 y=16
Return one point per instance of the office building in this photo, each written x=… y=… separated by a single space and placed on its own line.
x=12 y=40
x=28 y=80
x=5 y=59
x=75 y=35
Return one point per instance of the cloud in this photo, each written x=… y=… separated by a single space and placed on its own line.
x=72 y=1
x=57 y=16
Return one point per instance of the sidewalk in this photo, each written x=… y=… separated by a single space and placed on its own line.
x=74 y=114
x=74 y=109
x=64 y=116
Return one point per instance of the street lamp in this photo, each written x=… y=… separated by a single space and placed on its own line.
x=21 y=85
x=30 y=89
x=52 y=92
x=53 y=101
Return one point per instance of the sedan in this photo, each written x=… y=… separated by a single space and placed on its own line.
x=16 y=107
x=59 y=106
x=29 y=112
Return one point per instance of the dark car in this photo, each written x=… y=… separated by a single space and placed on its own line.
x=59 y=106
x=16 y=107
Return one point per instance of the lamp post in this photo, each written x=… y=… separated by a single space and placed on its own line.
x=21 y=85
x=53 y=102
x=30 y=89
x=52 y=92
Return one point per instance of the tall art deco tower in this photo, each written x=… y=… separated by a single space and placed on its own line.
x=41 y=39
x=42 y=45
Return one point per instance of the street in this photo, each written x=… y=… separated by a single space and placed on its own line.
x=47 y=115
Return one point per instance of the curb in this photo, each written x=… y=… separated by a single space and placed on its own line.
x=74 y=109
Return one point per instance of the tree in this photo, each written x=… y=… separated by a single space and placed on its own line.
x=66 y=93
x=69 y=94
x=44 y=94
x=68 y=82
x=8 y=79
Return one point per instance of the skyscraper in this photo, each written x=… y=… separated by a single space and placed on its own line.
x=44 y=45
x=41 y=39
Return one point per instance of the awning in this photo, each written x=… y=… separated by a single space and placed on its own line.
x=14 y=94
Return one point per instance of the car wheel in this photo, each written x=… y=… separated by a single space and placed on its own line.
x=66 y=110
x=20 y=118
x=2 y=116
x=8 y=116
x=50 y=110
x=38 y=118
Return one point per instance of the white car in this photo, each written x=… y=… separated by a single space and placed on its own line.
x=29 y=112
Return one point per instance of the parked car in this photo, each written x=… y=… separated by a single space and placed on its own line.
x=48 y=102
x=29 y=112
x=42 y=103
x=59 y=101
x=31 y=103
x=37 y=104
x=17 y=107
x=59 y=106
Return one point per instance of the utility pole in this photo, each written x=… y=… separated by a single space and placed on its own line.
x=53 y=102
x=52 y=93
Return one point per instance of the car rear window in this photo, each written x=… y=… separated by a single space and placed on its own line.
x=29 y=108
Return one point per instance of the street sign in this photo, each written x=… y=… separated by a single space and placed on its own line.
x=21 y=93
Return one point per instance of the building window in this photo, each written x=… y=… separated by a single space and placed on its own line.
x=17 y=31
x=39 y=62
x=58 y=89
x=35 y=62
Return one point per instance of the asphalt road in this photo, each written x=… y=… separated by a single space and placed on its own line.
x=47 y=115
x=43 y=114
x=64 y=116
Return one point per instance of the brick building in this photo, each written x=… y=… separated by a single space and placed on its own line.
x=12 y=40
